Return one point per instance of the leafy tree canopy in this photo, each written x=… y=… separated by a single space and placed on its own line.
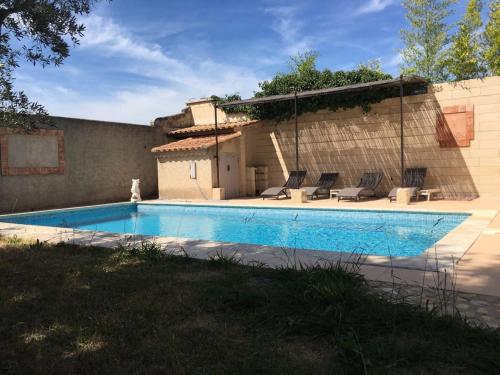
x=41 y=32
x=426 y=38
x=465 y=60
x=491 y=39
x=302 y=76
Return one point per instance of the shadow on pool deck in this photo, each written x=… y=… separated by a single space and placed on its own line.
x=477 y=271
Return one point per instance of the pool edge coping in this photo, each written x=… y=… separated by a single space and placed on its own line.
x=443 y=255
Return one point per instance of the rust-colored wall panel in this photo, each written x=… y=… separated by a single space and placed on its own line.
x=455 y=126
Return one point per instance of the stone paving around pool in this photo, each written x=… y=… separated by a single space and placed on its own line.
x=477 y=276
x=477 y=308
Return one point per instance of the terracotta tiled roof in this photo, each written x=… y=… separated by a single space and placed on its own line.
x=194 y=143
x=211 y=127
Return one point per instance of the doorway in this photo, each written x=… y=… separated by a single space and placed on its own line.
x=229 y=173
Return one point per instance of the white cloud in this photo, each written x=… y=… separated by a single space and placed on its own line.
x=373 y=6
x=395 y=60
x=170 y=81
x=104 y=34
x=289 y=28
x=139 y=105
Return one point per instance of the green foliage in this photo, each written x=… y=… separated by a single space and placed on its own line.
x=144 y=250
x=231 y=98
x=372 y=64
x=16 y=109
x=303 y=63
x=41 y=32
x=491 y=39
x=37 y=245
x=87 y=310
x=221 y=259
x=426 y=39
x=14 y=240
x=303 y=76
x=465 y=53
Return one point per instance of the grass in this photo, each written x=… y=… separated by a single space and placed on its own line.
x=132 y=310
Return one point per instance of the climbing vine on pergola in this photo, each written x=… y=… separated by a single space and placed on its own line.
x=313 y=79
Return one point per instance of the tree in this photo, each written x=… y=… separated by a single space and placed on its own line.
x=491 y=39
x=42 y=32
x=372 y=64
x=465 y=60
x=302 y=76
x=426 y=39
x=302 y=63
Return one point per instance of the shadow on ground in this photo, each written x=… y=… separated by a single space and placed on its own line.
x=66 y=309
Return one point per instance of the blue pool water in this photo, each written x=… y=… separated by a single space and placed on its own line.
x=368 y=232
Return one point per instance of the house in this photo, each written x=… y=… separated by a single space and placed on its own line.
x=187 y=163
x=453 y=130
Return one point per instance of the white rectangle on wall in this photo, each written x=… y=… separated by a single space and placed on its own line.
x=192 y=169
x=33 y=151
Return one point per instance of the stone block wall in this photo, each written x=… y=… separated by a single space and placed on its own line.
x=99 y=161
x=351 y=142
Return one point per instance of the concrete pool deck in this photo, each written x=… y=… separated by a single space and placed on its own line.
x=477 y=245
x=478 y=269
x=475 y=275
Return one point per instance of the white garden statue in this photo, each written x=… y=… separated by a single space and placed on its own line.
x=136 y=191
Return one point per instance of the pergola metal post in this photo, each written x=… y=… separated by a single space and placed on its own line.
x=388 y=83
x=216 y=145
x=296 y=132
x=401 y=130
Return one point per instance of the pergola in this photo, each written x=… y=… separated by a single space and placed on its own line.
x=389 y=83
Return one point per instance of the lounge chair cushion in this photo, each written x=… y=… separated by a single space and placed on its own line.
x=294 y=181
x=324 y=183
x=274 y=191
x=366 y=187
x=355 y=192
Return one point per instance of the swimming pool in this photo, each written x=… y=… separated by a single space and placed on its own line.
x=394 y=233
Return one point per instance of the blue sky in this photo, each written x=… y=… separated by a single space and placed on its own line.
x=144 y=59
